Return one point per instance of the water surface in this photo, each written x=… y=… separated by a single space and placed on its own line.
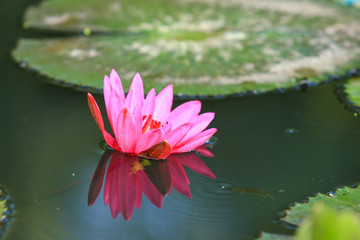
x=288 y=145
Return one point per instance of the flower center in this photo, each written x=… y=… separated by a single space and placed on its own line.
x=149 y=123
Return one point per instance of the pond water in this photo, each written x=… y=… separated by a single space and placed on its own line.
x=288 y=145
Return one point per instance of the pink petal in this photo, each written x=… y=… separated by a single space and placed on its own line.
x=166 y=129
x=113 y=108
x=115 y=84
x=174 y=136
x=95 y=111
x=138 y=120
x=126 y=131
x=195 y=142
x=163 y=103
x=107 y=90
x=137 y=89
x=184 y=113
x=149 y=103
x=128 y=99
x=198 y=125
x=148 y=140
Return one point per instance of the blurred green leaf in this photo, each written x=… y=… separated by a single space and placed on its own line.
x=325 y=223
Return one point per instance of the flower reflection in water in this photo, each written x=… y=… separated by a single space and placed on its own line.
x=129 y=176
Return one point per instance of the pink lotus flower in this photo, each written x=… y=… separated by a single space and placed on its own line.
x=128 y=177
x=147 y=126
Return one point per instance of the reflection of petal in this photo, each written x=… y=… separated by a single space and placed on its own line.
x=126 y=185
x=98 y=178
x=204 y=151
x=158 y=173
x=179 y=179
x=128 y=177
x=194 y=162
x=150 y=190
x=110 y=189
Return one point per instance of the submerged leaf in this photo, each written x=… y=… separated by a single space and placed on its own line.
x=202 y=47
x=253 y=191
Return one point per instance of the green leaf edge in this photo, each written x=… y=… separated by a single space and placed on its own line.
x=349 y=92
x=6 y=210
x=274 y=236
x=340 y=199
x=246 y=88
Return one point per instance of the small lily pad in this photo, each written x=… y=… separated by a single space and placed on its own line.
x=202 y=47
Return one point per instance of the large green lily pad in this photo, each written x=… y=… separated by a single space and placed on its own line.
x=202 y=47
x=343 y=199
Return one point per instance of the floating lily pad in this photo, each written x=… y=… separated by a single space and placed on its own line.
x=343 y=199
x=5 y=210
x=202 y=47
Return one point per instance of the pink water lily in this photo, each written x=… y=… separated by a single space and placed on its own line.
x=147 y=126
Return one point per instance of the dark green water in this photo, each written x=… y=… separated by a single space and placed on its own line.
x=49 y=151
